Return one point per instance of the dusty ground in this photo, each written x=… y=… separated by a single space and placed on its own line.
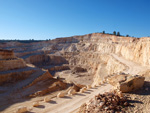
x=78 y=78
x=140 y=99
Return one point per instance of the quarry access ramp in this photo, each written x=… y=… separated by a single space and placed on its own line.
x=133 y=68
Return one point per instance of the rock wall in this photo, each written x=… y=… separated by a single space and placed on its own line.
x=6 y=65
x=46 y=60
x=9 y=61
x=107 y=68
x=43 y=77
x=13 y=77
x=130 y=48
x=134 y=49
x=66 y=40
x=98 y=64
x=136 y=52
x=6 y=54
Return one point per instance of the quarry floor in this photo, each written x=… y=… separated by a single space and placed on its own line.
x=72 y=103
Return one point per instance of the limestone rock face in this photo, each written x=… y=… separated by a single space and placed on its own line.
x=8 y=61
x=15 y=76
x=43 y=77
x=6 y=54
x=107 y=67
x=46 y=60
x=58 y=68
x=12 y=64
x=127 y=83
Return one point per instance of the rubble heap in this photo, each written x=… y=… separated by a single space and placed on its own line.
x=108 y=102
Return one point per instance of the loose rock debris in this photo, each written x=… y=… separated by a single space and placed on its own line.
x=109 y=102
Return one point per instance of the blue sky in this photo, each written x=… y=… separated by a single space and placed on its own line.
x=48 y=19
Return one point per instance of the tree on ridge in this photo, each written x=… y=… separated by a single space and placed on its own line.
x=118 y=33
x=114 y=33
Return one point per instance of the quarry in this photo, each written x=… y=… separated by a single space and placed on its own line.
x=92 y=73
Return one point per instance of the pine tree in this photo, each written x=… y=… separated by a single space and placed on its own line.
x=103 y=32
x=118 y=33
x=114 y=33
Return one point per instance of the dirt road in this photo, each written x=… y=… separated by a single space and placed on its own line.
x=71 y=103
x=133 y=68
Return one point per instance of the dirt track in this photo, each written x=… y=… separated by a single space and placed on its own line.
x=70 y=103
x=133 y=68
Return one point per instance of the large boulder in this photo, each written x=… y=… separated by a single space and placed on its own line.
x=22 y=109
x=126 y=83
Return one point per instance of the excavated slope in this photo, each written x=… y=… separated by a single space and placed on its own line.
x=102 y=55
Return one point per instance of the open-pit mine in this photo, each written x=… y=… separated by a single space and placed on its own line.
x=93 y=73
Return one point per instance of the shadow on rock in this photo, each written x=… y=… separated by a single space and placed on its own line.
x=67 y=97
x=30 y=112
x=145 y=90
x=90 y=90
x=40 y=106
x=80 y=94
x=53 y=102
x=87 y=92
